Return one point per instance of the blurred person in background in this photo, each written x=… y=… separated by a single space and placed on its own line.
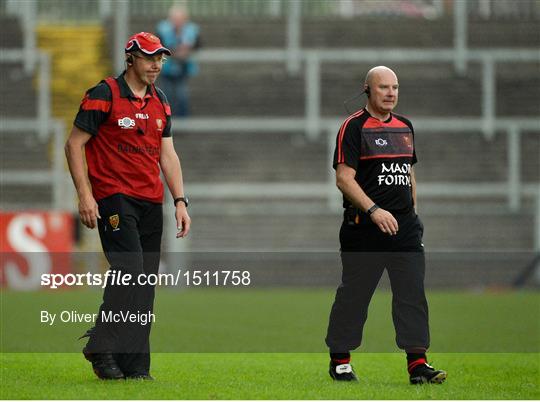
x=124 y=128
x=374 y=160
x=182 y=36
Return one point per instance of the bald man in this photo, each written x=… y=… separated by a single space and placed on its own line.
x=374 y=160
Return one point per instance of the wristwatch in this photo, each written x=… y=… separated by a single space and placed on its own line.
x=183 y=199
x=372 y=209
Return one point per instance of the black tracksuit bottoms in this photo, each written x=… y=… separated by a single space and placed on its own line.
x=365 y=253
x=130 y=231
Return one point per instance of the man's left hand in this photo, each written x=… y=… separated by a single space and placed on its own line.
x=183 y=221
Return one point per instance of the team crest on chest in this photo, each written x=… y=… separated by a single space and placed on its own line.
x=114 y=220
x=159 y=123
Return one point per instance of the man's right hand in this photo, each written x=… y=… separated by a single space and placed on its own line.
x=385 y=221
x=88 y=211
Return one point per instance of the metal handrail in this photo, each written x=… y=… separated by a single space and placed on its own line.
x=314 y=58
x=432 y=126
x=513 y=188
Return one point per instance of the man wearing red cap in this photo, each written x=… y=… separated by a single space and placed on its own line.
x=124 y=127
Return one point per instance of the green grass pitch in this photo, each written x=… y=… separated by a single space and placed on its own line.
x=487 y=342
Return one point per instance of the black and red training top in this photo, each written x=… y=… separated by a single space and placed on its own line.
x=124 y=152
x=382 y=153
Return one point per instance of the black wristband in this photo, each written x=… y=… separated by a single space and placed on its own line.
x=372 y=209
x=183 y=199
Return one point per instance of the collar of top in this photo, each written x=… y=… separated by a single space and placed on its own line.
x=126 y=92
x=382 y=121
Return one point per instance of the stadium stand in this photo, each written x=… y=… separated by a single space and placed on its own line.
x=18 y=99
x=331 y=32
x=428 y=90
x=467 y=231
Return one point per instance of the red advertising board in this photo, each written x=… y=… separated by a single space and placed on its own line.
x=32 y=244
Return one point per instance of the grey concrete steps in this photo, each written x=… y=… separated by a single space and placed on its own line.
x=253 y=89
x=518 y=89
x=25 y=197
x=425 y=90
x=19 y=98
x=235 y=89
x=319 y=232
x=464 y=248
x=460 y=157
x=12 y=36
x=434 y=89
x=23 y=151
x=230 y=32
x=468 y=231
x=274 y=157
x=414 y=33
x=355 y=32
x=468 y=157
x=502 y=33
x=226 y=157
x=530 y=157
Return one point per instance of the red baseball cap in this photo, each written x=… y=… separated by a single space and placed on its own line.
x=147 y=43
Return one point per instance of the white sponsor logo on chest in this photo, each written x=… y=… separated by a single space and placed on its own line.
x=126 y=122
x=381 y=142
